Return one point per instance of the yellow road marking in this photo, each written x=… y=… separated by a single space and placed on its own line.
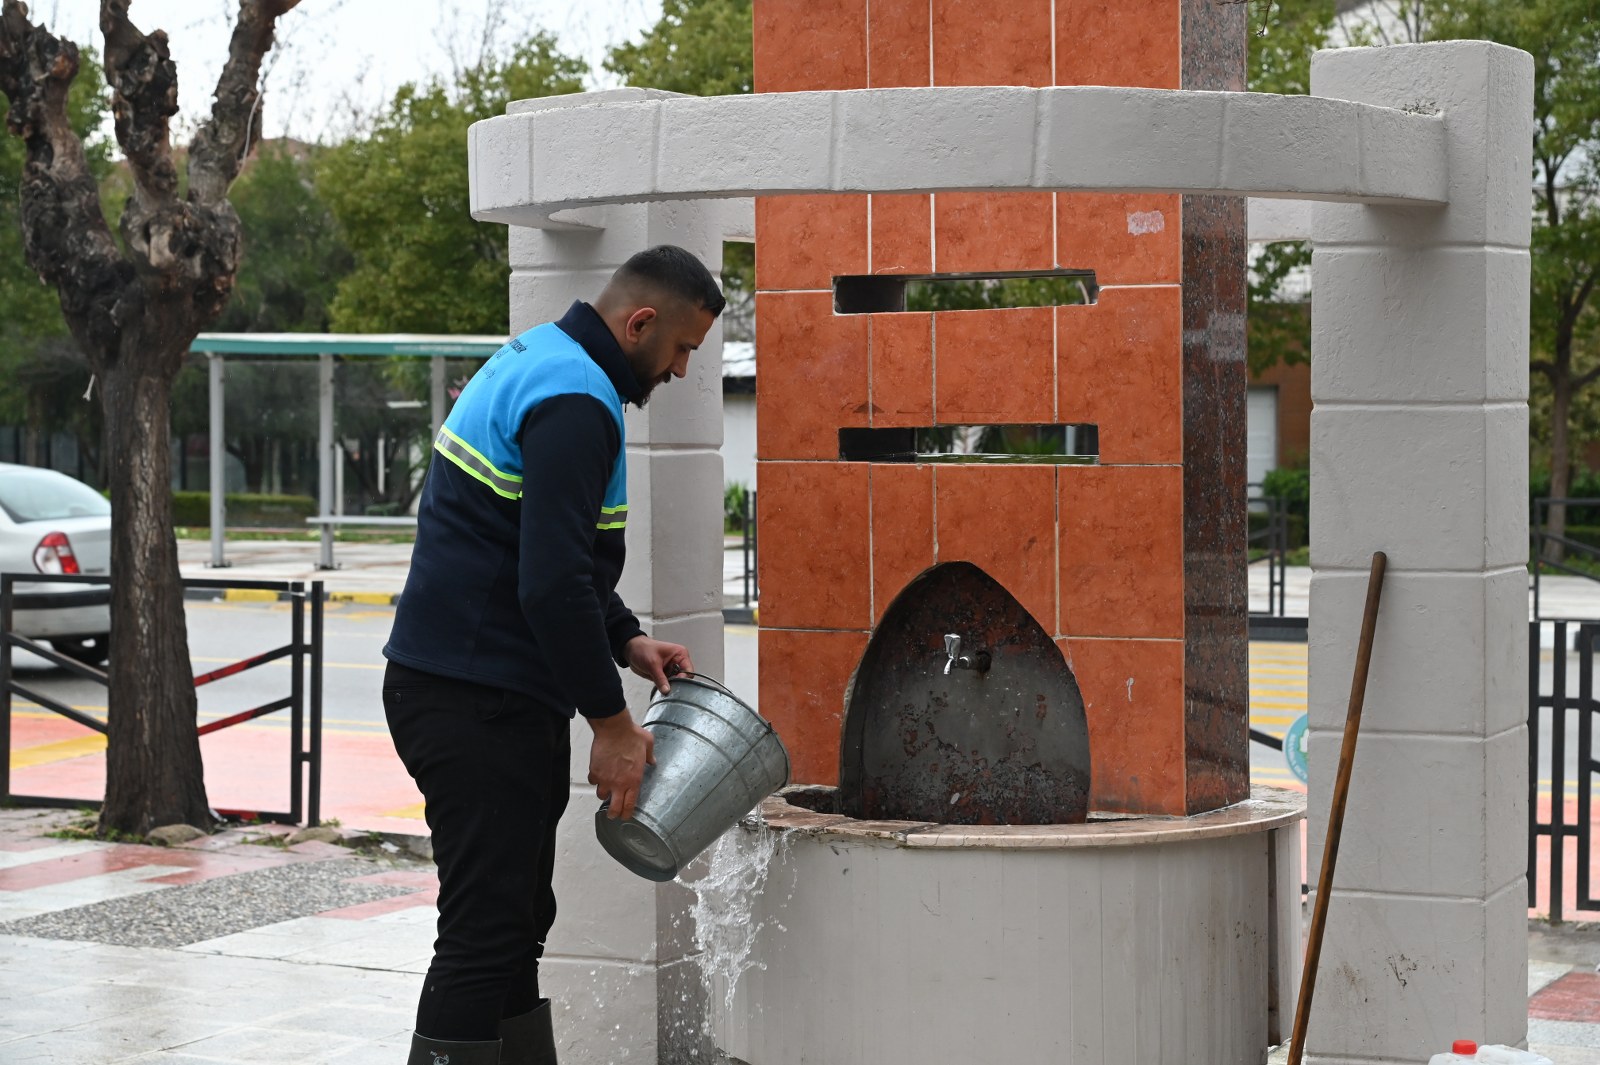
x=60 y=751
x=414 y=812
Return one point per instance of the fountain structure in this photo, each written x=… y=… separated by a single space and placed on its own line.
x=1017 y=691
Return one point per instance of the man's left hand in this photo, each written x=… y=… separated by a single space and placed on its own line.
x=656 y=660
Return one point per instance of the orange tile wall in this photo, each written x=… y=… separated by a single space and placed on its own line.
x=1095 y=553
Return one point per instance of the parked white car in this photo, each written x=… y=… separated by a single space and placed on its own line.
x=51 y=523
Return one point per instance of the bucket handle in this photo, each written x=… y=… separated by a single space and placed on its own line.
x=721 y=687
x=714 y=682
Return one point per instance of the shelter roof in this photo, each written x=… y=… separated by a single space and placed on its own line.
x=419 y=344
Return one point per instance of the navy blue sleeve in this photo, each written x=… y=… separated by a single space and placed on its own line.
x=621 y=626
x=569 y=444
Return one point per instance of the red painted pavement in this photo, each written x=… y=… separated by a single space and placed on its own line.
x=1575 y=997
x=247 y=768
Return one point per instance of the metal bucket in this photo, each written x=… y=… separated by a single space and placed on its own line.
x=716 y=759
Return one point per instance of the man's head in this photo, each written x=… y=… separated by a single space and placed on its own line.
x=659 y=305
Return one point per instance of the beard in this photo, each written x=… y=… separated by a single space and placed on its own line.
x=640 y=364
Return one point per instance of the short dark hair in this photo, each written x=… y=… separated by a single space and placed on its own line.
x=675 y=271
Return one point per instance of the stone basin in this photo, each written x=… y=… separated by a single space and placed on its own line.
x=1136 y=940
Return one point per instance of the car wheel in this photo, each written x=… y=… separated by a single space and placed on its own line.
x=90 y=650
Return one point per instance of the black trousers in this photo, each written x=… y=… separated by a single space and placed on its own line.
x=493 y=766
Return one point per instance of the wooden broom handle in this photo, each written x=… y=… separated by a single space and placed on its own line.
x=1341 y=792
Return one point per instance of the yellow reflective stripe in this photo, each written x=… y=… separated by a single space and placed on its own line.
x=612 y=525
x=614 y=510
x=488 y=467
x=475 y=465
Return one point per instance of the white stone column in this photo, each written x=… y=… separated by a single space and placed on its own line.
x=610 y=959
x=1419 y=448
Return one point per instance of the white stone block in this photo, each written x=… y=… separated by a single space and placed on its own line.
x=1437 y=488
x=499 y=158
x=1275 y=141
x=702 y=635
x=589 y=99
x=738 y=220
x=634 y=586
x=1506 y=967
x=604 y=911
x=1403 y=325
x=1426 y=815
x=1094 y=138
x=624 y=230
x=1485 y=93
x=604 y=1013
x=771 y=141
x=1270 y=221
x=1402 y=977
x=544 y=296
x=934 y=138
x=603 y=153
x=686 y=553
x=1451 y=654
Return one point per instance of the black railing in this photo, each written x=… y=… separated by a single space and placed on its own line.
x=1272 y=540
x=304 y=700
x=1558 y=701
x=1541 y=538
x=752 y=593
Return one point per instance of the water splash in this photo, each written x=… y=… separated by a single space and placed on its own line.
x=725 y=898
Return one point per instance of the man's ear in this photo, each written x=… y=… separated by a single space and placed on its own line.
x=637 y=321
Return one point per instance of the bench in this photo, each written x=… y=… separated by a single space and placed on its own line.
x=328 y=522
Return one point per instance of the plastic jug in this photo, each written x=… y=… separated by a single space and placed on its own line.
x=1466 y=1052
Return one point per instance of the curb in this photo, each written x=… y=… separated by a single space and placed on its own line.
x=258 y=595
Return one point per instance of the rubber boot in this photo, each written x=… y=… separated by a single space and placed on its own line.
x=528 y=1038
x=426 y=1051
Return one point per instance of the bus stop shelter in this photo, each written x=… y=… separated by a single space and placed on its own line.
x=326 y=348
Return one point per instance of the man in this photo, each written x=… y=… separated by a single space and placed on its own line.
x=510 y=621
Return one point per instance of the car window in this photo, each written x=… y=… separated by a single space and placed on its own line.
x=44 y=495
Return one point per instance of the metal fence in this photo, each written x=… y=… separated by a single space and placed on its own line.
x=303 y=700
x=1553 y=552
x=1563 y=821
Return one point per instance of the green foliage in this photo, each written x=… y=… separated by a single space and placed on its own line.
x=1291 y=487
x=1294 y=531
x=44 y=373
x=194 y=508
x=1563 y=36
x=735 y=505
x=400 y=198
x=702 y=48
x=981 y=293
x=1282 y=40
x=699 y=47
x=293 y=257
x=1277 y=327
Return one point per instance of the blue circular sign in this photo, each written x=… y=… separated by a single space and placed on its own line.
x=1294 y=747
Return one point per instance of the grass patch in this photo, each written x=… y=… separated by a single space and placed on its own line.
x=342 y=536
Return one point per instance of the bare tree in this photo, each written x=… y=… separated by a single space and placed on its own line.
x=133 y=308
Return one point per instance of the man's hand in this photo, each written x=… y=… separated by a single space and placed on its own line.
x=616 y=761
x=656 y=661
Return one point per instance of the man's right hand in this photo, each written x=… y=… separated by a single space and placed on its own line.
x=617 y=759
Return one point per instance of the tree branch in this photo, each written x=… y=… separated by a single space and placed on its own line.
x=144 y=97
x=226 y=138
x=65 y=235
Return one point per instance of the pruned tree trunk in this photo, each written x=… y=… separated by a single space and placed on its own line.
x=133 y=311
x=1560 y=465
x=154 y=778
